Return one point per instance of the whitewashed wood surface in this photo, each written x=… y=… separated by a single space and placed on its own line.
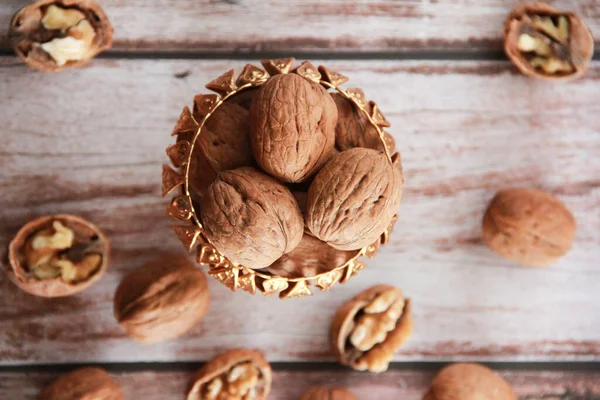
x=310 y=25
x=92 y=141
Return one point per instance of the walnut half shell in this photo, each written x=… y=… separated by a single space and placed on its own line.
x=83 y=384
x=367 y=330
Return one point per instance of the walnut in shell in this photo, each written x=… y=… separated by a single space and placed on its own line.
x=83 y=384
x=367 y=330
x=325 y=393
x=250 y=217
x=161 y=300
x=546 y=43
x=353 y=198
x=57 y=255
x=292 y=127
x=528 y=226
x=237 y=374
x=469 y=382
x=353 y=127
x=50 y=35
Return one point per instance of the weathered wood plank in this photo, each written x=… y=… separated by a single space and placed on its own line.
x=289 y=385
x=314 y=25
x=91 y=142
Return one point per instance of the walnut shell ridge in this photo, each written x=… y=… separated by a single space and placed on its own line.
x=292 y=127
x=250 y=217
x=353 y=198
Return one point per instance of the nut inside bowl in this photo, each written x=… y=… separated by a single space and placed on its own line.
x=205 y=186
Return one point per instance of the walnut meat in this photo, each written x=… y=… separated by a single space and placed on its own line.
x=83 y=384
x=353 y=198
x=528 y=226
x=237 y=374
x=469 y=382
x=310 y=258
x=51 y=35
x=353 y=128
x=161 y=300
x=545 y=43
x=251 y=218
x=325 y=393
x=367 y=330
x=57 y=255
x=292 y=127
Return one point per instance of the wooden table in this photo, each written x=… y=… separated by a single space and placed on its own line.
x=91 y=142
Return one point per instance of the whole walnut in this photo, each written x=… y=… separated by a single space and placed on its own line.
x=353 y=128
x=528 y=226
x=469 y=382
x=353 y=198
x=83 y=384
x=161 y=300
x=292 y=127
x=250 y=217
x=325 y=393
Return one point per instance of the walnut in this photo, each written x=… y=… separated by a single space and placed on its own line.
x=57 y=255
x=250 y=217
x=325 y=393
x=292 y=127
x=161 y=300
x=353 y=128
x=528 y=226
x=237 y=374
x=469 y=382
x=545 y=43
x=83 y=384
x=51 y=35
x=367 y=330
x=310 y=258
x=353 y=199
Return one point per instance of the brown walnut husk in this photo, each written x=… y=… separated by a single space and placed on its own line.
x=325 y=393
x=528 y=226
x=215 y=380
x=250 y=217
x=83 y=384
x=27 y=33
x=89 y=241
x=367 y=330
x=292 y=127
x=353 y=198
x=469 y=382
x=161 y=300
x=546 y=43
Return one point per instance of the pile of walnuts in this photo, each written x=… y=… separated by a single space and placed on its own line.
x=288 y=172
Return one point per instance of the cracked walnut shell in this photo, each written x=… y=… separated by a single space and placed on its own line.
x=57 y=255
x=367 y=330
x=469 y=382
x=161 y=300
x=250 y=217
x=83 y=384
x=528 y=226
x=51 y=35
x=237 y=374
x=325 y=393
x=292 y=127
x=546 y=43
x=353 y=199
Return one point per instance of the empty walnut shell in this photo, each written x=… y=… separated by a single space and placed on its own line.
x=292 y=127
x=546 y=43
x=161 y=300
x=353 y=199
x=325 y=393
x=88 y=243
x=469 y=382
x=83 y=384
x=528 y=226
x=49 y=42
x=367 y=330
x=250 y=217
x=237 y=373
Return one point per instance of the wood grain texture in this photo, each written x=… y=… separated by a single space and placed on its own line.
x=91 y=142
x=290 y=385
x=313 y=25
